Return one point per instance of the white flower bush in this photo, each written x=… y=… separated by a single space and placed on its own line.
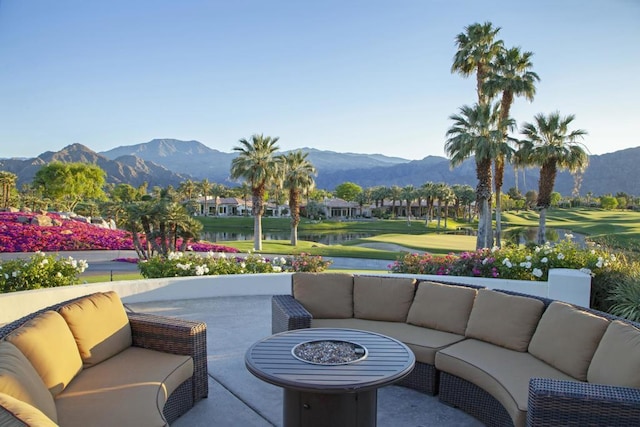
x=40 y=271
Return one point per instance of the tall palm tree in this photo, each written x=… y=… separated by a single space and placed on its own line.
x=427 y=190
x=395 y=193
x=551 y=145
x=512 y=76
x=7 y=184
x=256 y=164
x=475 y=132
x=477 y=47
x=298 y=175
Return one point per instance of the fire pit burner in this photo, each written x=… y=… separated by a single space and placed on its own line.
x=329 y=352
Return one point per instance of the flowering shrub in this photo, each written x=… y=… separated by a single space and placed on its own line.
x=309 y=263
x=70 y=235
x=521 y=263
x=39 y=271
x=179 y=264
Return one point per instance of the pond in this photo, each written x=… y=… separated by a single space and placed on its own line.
x=522 y=235
x=336 y=238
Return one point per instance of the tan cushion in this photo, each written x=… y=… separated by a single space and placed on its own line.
x=16 y=413
x=566 y=338
x=99 y=325
x=501 y=372
x=49 y=345
x=505 y=320
x=382 y=298
x=617 y=358
x=422 y=341
x=324 y=295
x=128 y=389
x=442 y=307
x=19 y=379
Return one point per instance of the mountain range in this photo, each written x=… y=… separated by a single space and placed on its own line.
x=163 y=162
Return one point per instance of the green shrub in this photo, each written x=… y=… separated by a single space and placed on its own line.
x=179 y=264
x=39 y=271
x=625 y=298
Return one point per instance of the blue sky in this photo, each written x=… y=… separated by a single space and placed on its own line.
x=364 y=76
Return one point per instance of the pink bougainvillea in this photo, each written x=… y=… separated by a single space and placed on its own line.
x=70 y=235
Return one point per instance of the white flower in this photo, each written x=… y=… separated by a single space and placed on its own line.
x=600 y=262
x=537 y=249
x=210 y=254
x=544 y=260
x=277 y=268
x=44 y=262
x=586 y=271
x=568 y=236
x=200 y=270
x=507 y=263
x=222 y=255
x=484 y=261
x=613 y=257
x=525 y=264
x=242 y=265
x=537 y=272
x=174 y=256
x=593 y=251
x=528 y=258
x=494 y=249
x=6 y=276
x=560 y=256
x=39 y=253
x=15 y=274
x=58 y=274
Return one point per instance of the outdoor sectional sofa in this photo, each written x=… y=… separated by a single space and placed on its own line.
x=507 y=359
x=90 y=362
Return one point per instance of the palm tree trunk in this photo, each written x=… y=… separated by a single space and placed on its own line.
x=483 y=212
x=498 y=220
x=542 y=226
x=257 y=232
x=294 y=235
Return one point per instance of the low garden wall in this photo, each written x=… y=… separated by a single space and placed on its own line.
x=564 y=284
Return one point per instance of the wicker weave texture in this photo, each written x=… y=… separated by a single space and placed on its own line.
x=288 y=314
x=571 y=403
x=423 y=378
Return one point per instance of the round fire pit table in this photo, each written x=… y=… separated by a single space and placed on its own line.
x=339 y=392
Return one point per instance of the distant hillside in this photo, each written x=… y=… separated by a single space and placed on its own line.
x=132 y=170
x=200 y=161
x=168 y=161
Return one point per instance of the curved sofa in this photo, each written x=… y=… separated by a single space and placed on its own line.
x=89 y=361
x=507 y=359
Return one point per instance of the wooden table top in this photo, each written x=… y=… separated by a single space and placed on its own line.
x=271 y=360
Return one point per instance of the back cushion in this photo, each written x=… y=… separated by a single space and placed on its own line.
x=49 y=345
x=16 y=413
x=382 y=298
x=617 y=358
x=99 y=325
x=20 y=380
x=505 y=320
x=442 y=307
x=324 y=295
x=567 y=337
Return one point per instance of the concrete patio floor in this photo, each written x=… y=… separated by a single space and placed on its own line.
x=237 y=398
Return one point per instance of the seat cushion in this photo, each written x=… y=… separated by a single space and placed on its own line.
x=442 y=307
x=505 y=320
x=617 y=358
x=423 y=342
x=382 y=298
x=128 y=389
x=16 y=413
x=19 y=379
x=324 y=295
x=99 y=325
x=567 y=337
x=502 y=372
x=47 y=342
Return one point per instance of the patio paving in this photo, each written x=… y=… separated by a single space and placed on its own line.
x=237 y=398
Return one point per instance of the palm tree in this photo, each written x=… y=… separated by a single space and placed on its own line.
x=205 y=188
x=427 y=190
x=409 y=195
x=512 y=76
x=477 y=47
x=395 y=193
x=475 y=132
x=7 y=183
x=551 y=145
x=298 y=175
x=256 y=164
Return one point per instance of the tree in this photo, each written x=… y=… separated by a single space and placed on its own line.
x=464 y=195
x=348 y=191
x=69 y=183
x=205 y=188
x=395 y=193
x=608 y=202
x=427 y=190
x=408 y=195
x=512 y=76
x=256 y=164
x=551 y=145
x=475 y=132
x=477 y=47
x=297 y=176
x=7 y=187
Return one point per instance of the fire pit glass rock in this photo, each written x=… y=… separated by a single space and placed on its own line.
x=329 y=352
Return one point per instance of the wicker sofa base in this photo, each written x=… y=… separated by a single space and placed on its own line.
x=473 y=400
x=423 y=378
x=179 y=402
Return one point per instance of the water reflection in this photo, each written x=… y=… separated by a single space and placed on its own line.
x=523 y=235
x=323 y=238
